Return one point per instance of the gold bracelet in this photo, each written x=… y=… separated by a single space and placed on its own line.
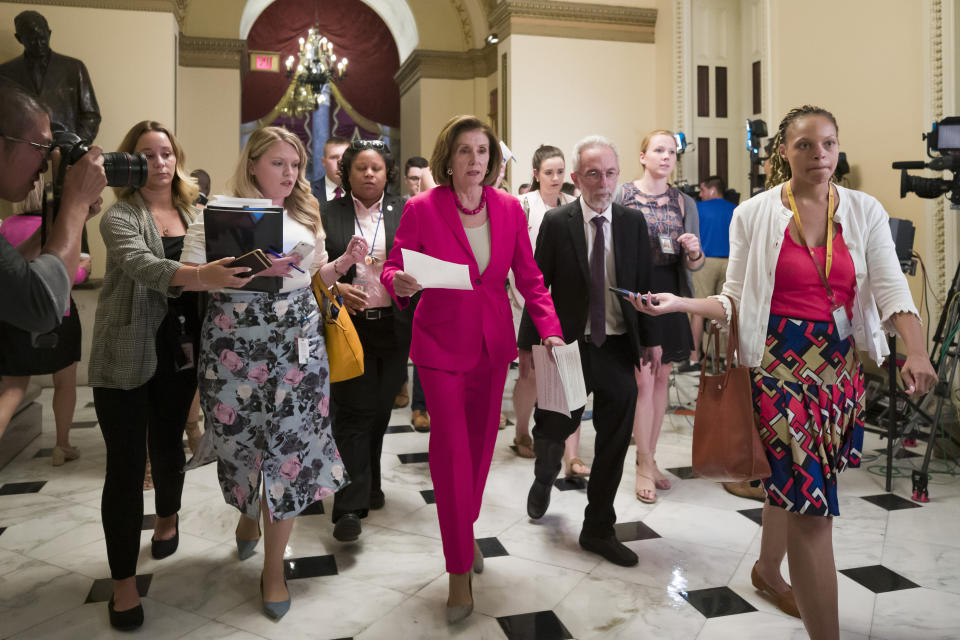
x=199 y=282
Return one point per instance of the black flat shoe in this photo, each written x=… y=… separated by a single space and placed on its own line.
x=377 y=500
x=160 y=549
x=611 y=549
x=538 y=499
x=347 y=528
x=125 y=620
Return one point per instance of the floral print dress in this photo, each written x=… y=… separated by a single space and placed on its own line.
x=268 y=413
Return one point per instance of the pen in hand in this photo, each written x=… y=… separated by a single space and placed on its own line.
x=277 y=255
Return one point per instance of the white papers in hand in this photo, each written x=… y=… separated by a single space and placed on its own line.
x=432 y=273
x=239 y=203
x=560 y=385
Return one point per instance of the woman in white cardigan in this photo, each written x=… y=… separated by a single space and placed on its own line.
x=810 y=263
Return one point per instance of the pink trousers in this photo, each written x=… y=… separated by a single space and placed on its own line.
x=464 y=416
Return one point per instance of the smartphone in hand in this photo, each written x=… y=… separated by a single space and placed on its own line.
x=256 y=261
x=302 y=249
x=626 y=294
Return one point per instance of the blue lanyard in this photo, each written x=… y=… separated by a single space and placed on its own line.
x=375 y=231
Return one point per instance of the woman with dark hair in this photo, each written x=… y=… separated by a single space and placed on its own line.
x=463 y=340
x=142 y=363
x=810 y=265
x=544 y=194
x=362 y=405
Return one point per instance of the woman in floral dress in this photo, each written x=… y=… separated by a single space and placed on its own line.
x=264 y=375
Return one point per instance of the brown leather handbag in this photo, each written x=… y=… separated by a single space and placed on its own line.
x=726 y=442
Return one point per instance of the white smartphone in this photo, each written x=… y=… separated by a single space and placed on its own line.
x=302 y=249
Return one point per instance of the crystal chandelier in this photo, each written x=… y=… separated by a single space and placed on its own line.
x=318 y=65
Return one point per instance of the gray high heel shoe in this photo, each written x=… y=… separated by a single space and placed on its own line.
x=457 y=612
x=276 y=610
x=246 y=548
x=477 y=558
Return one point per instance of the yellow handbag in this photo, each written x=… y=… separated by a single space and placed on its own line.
x=344 y=350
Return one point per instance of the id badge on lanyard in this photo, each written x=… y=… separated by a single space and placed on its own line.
x=666 y=244
x=303 y=344
x=842 y=322
x=837 y=311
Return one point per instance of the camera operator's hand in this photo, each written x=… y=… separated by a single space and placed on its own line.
x=94 y=208
x=81 y=194
x=84 y=182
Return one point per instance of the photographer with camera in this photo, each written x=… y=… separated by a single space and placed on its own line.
x=37 y=293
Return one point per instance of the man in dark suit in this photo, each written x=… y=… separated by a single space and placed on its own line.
x=331 y=186
x=362 y=405
x=610 y=247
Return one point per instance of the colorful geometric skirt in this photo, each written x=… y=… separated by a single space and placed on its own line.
x=808 y=397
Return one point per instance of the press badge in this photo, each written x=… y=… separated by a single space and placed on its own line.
x=666 y=244
x=303 y=343
x=842 y=322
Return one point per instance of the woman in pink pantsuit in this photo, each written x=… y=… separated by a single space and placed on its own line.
x=463 y=341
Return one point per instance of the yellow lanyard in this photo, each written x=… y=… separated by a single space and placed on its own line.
x=803 y=241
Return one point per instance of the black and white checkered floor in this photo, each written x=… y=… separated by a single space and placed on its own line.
x=898 y=562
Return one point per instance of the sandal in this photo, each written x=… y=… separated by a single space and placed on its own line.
x=646 y=494
x=660 y=479
x=524 y=446
x=571 y=471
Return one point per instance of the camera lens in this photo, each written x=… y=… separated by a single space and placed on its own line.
x=125 y=169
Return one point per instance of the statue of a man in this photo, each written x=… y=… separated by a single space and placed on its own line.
x=61 y=82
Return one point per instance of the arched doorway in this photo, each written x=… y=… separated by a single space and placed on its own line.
x=365 y=104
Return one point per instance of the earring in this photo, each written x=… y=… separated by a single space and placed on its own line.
x=449 y=171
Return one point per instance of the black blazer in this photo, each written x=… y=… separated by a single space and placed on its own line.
x=561 y=254
x=339 y=223
x=319 y=190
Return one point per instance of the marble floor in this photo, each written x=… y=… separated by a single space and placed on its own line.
x=898 y=561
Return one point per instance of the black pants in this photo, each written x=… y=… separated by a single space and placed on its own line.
x=152 y=415
x=608 y=374
x=418 y=401
x=361 y=413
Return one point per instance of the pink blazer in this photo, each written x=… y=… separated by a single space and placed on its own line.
x=450 y=326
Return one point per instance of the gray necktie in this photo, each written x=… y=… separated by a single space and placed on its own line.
x=598 y=286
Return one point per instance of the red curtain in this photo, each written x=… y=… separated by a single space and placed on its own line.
x=357 y=33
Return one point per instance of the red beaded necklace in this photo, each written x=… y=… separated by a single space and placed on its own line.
x=471 y=212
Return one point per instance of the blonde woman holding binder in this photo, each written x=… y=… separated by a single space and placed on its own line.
x=264 y=375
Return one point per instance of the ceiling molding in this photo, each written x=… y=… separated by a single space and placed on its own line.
x=447 y=65
x=216 y=53
x=573 y=20
x=177 y=7
x=466 y=24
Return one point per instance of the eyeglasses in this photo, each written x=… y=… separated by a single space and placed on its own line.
x=45 y=149
x=593 y=175
x=360 y=145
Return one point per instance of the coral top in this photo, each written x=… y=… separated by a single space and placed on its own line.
x=797 y=289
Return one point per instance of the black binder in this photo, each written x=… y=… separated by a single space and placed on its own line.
x=235 y=231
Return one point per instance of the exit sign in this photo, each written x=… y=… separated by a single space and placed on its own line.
x=264 y=61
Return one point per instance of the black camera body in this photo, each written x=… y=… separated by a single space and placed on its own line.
x=122 y=169
x=943 y=146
